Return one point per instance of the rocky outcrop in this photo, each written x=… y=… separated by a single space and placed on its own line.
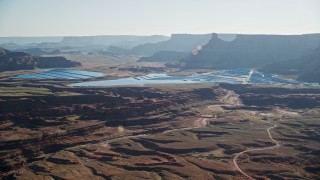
x=118 y=50
x=10 y=61
x=307 y=67
x=117 y=40
x=251 y=51
x=56 y=62
x=41 y=51
x=16 y=61
x=3 y=52
x=178 y=43
x=165 y=56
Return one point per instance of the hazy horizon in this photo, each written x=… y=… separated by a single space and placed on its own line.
x=169 y=35
x=35 y=18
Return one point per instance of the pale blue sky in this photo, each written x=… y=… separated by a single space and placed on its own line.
x=146 y=17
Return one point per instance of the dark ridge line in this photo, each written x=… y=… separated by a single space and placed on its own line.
x=212 y=170
x=153 y=169
x=95 y=172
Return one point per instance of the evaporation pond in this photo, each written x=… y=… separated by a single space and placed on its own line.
x=233 y=77
x=159 y=79
x=61 y=74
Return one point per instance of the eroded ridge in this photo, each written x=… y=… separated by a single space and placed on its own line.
x=195 y=132
x=277 y=145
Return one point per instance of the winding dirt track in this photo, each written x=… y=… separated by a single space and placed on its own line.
x=202 y=122
x=255 y=149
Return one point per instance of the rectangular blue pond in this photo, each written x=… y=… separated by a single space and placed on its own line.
x=159 y=79
x=61 y=74
x=229 y=76
x=256 y=77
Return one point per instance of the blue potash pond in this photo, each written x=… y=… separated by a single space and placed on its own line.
x=241 y=76
x=61 y=74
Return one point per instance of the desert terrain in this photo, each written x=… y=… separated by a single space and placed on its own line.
x=160 y=90
x=187 y=131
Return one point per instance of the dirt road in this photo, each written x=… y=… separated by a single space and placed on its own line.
x=256 y=149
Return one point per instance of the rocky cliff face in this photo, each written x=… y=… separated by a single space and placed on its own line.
x=307 y=67
x=16 y=60
x=165 y=56
x=117 y=40
x=10 y=61
x=41 y=51
x=251 y=51
x=178 y=43
x=55 y=62
x=3 y=52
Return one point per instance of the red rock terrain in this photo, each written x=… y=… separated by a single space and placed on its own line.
x=11 y=61
x=49 y=131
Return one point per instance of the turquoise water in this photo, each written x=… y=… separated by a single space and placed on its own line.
x=61 y=74
x=229 y=76
x=159 y=79
x=256 y=77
